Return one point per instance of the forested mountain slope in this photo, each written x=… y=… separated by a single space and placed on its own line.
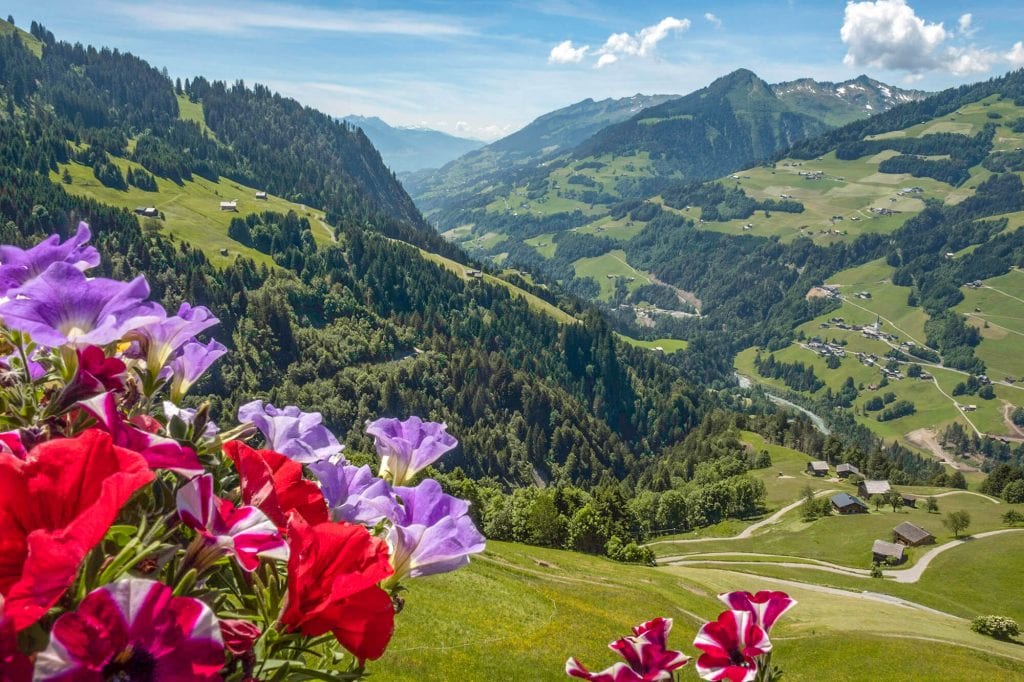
x=350 y=322
x=547 y=136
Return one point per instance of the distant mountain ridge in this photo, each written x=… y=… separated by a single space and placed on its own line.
x=841 y=103
x=406 y=149
x=545 y=137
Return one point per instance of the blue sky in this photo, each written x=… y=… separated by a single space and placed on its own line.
x=483 y=69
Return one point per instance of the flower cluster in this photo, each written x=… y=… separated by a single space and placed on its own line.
x=735 y=647
x=139 y=540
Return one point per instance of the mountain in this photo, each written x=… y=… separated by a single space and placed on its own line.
x=841 y=103
x=545 y=137
x=733 y=121
x=331 y=290
x=412 y=149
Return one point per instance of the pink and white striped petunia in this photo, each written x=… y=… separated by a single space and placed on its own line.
x=766 y=606
x=245 y=532
x=158 y=451
x=647 y=658
x=731 y=646
x=134 y=629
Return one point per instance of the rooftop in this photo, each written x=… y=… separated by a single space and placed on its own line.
x=845 y=500
x=890 y=549
x=911 y=532
x=876 y=487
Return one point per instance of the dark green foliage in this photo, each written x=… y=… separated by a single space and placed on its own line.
x=1018 y=416
x=109 y=174
x=963 y=151
x=901 y=408
x=141 y=179
x=796 y=375
x=1003 y=162
x=721 y=203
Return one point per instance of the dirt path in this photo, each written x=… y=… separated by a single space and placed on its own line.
x=905 y=575
x=749 y=530
x=1000 y=291
x=913 y=574
x=1008 y=409
x=955 y=403
x=926 y=440
x=870 y=596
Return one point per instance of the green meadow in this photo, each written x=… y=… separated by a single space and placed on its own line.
x=609 y=268
x=665 y=345
x=192 y=209
x=540 y=606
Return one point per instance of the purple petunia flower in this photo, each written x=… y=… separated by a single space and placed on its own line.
x=161 y=340
x=14 y=362
x=432 y=533
x=298 y=435
x=354 y=494
x=62 y=306
x=18 y=266
x=407 y=447
x=191 y=362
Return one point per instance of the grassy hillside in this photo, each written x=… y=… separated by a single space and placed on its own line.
x=538 y=607
x=192 y=209
x=28 y=40
x=999 y=303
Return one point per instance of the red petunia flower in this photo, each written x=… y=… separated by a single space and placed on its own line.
x=55 y=506
x=134 y=629
x=274 y=484
x=647 y=657
x=731 y=646
x=333 y=576
x=766 y=606
x=239 y=635
x=98 y=373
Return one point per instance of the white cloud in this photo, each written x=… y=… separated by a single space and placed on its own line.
x=713 y=19
x=565 y=53
x=642 y=43
x=224 y=18
x=639 y=44
x=1016 y=54
x=964 y=24
x=963 y=62
x=461 y=127
x=888 y=34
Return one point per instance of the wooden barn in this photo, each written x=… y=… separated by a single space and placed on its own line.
x=868 y=488
x=886 y=552
x=819 y=468
x=847 y=470
x=848 y=504
x=910 y=535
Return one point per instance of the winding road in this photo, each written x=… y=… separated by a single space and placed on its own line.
x=911 y=574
